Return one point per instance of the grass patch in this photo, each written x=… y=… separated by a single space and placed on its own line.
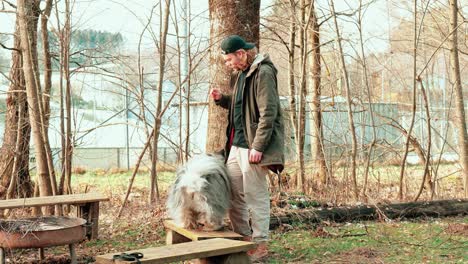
x=398 y=242
x=118 y=182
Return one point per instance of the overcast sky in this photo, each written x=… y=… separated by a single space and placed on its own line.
x=129 y=16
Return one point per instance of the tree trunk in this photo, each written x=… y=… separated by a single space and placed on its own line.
x=301 y=184
x=63 y=150
x=16 y=124
x=460 y=119
x=370 y=212
x=413 y=113
x=369 y=103
x=188 y=87
x=427 y=179
x=320 y=168
x=68 y=128
x=17 y=155
x=180 y=71
x=352 y=129
x=154 y=190
x=28 y=16
x=47 y=63
x=291 y=73
x=227 y=17
x=45 y=96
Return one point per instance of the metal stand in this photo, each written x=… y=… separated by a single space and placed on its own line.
x=72 y=253
x=2 y=255
x=41 y=253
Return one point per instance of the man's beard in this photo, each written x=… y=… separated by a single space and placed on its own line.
x=241 y=69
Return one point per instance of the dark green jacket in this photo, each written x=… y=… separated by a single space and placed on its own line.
x=261 y=112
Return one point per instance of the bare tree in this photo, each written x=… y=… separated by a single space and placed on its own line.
x=141 y=82
x=352 y=129
x=14 y=153
x=291 y=68
x=154 y=190
x=59 y=32
x=28 y=16
x=63 y=34
x=68 y=147
x=460 y=116
x=187 y=69
x=369 y=99
x=413 y=113
x=184 y=63
x=318 y=155
x=426 y=158
x=45 y=97
x=301 y=183
x=47 y=62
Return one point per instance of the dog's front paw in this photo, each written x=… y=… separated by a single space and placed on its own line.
x=214 y=227
x=190 y=225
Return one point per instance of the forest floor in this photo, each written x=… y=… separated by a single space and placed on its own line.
x=423 y=240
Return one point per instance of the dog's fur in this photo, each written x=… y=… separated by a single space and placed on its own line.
x=201 y=193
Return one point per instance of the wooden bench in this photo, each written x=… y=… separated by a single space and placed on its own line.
x=176 y=234
x=87 y=206
x=216 y=250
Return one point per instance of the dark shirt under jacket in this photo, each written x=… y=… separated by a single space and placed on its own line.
x=239 y=137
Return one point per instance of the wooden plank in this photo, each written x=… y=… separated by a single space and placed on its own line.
x=53 y=200
x=195 y=235
x=184 y=251
x=172 y=237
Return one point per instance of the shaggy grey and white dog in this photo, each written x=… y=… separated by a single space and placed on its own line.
x=201 y=193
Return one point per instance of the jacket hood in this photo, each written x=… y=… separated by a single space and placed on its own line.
x=261 y=59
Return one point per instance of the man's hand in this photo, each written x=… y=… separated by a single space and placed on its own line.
x=255 y=156
x=216 y=94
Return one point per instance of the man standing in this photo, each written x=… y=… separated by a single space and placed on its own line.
x=255 y=137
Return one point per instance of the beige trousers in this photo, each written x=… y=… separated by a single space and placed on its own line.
x=249 y=192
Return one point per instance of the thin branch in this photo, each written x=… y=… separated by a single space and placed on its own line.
x=8 y=3
x=5 y=47
x=440 y=45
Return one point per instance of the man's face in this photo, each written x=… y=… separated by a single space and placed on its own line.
x=235 y=60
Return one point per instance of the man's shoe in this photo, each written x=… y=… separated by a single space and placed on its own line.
x=258 y=253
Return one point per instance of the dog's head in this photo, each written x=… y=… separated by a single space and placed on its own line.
x=202 y=187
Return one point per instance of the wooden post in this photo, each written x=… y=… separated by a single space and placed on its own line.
x=82 y=211
x=94 y=218
x=90 y=212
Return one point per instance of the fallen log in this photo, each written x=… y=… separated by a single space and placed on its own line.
x=438 y=208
